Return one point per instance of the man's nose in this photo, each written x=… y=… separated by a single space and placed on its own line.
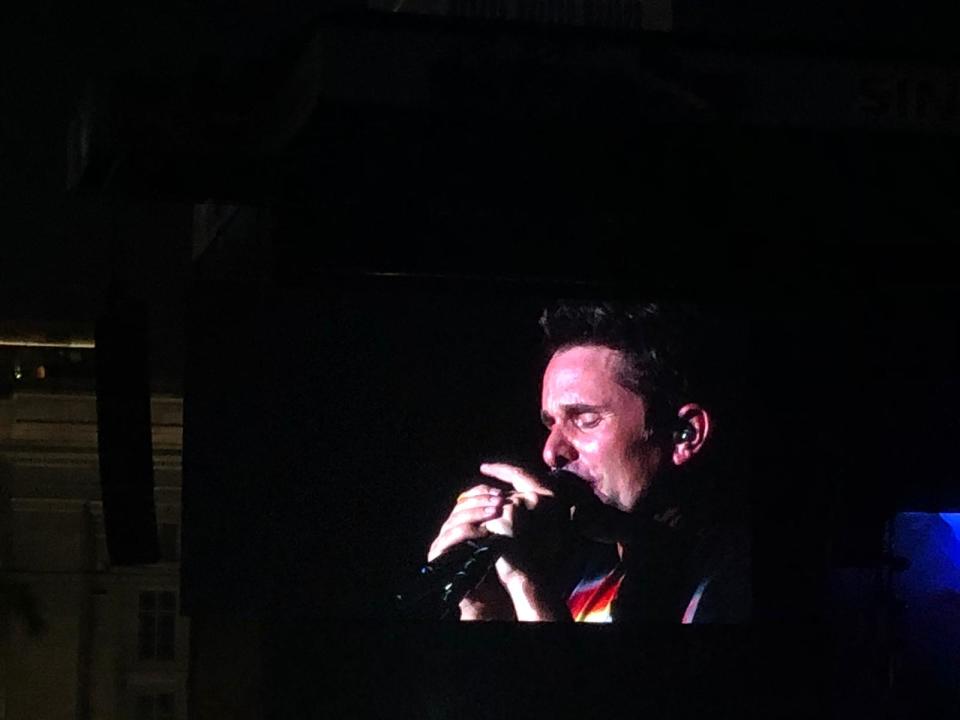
x=557 y=450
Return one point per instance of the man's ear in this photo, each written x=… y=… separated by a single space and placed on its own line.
x=694 y=428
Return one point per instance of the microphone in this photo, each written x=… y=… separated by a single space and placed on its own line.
x=442 y=583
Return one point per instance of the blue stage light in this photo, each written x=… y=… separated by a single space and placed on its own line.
x=953 y=520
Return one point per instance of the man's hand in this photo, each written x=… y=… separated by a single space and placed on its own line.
x=489 y=601
x=474 y=506
x=533 y=518
x=522 y=587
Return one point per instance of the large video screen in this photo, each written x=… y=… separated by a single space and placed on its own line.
x=414 y=419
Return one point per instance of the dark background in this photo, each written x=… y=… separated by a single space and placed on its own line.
x=315 y=474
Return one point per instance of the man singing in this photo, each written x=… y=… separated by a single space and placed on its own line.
x=650 y=532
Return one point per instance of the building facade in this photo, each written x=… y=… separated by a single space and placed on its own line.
x=80 y=638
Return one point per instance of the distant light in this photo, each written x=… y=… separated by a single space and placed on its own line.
x=17 y=373
x=16 y=342
x=40 y=373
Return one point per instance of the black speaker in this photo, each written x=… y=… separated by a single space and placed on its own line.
x=124 y=440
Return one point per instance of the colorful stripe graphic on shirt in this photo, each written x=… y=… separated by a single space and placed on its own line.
x=592 y=598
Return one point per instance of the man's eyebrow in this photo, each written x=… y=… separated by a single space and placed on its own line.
x=578 y=408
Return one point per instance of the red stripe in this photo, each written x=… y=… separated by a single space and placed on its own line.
x=594 y=597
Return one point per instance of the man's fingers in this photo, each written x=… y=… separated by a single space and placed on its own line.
x=458 y=533
x=464 y=522
x=453 y=535
x=473 y=511
x=479 y=490
x=483 y=508
x=502 y=525
x=519 y=478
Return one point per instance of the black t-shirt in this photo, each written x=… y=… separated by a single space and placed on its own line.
x=701 y=576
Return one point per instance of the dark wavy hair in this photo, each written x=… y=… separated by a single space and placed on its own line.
x=661 y=347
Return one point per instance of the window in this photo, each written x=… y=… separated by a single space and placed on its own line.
x=158 y=706
x=157 y=625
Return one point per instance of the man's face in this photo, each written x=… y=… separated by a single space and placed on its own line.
x=597 y=427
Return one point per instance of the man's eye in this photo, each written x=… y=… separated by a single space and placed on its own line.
x=587 y=420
